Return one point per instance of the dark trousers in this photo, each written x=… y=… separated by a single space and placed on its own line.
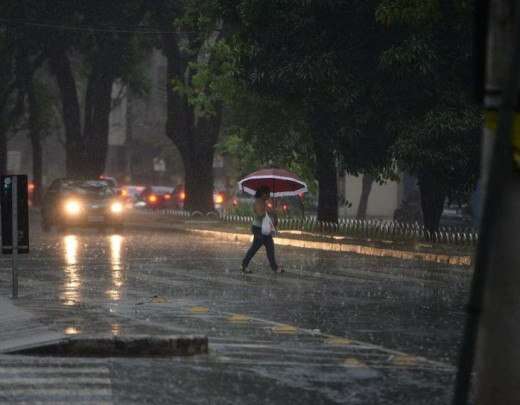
x=258 y=241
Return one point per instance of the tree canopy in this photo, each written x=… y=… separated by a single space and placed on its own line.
x=370 y=87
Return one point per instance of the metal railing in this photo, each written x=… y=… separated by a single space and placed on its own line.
x=374 y=229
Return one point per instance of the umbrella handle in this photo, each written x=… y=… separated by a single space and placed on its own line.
x=274 y=199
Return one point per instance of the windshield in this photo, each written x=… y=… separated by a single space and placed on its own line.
x=89 y=188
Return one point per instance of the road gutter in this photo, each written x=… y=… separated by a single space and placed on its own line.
x=455 y=260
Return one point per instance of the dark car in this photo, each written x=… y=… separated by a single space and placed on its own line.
x=131 y=195
x=72 y=203
x=220 y=197
x=156 y=197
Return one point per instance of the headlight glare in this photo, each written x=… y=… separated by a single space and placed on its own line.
x=116 y=208
x=73 y=207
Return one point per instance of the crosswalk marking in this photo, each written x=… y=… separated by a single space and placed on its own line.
x=76 y=380
x=58 y=381
x=405 y=360
x=284 y=329
x=338 y=341
x=354 y=363
x=50 y=370
x=200 y=310
x=238 y=318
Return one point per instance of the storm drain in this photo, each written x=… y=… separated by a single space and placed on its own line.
x=117 y=346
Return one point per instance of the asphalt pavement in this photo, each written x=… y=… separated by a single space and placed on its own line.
x=335 y=328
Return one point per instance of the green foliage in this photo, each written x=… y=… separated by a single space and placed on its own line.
x=446 y=143
x=265 y=132
x=418 y=13
x=413 y=56
x=391 y=76
x=436 y=125
x=212 y=81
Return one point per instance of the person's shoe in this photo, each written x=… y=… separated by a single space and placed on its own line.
x=245 y=270
x=279 y=269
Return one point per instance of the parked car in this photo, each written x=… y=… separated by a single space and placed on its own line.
x=131 y=195
x=73 y=203
x=157 y=197
x=220 y=197
x=179 y=196
x=456 y=215
x=287 y=206
x=109 y=181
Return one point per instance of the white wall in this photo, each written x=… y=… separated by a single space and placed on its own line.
x=383 y=199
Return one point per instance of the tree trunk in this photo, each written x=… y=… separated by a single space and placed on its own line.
x=326 y=171
x=34 y=136
x=7 y=119
x=37 y=169
x=3 y=151
x=367 y=182
x=433 y=197
x=74 y=146
x=195 y=136
x=86 y=150
x=98 y=104
x=328 y=185
x=199 y=181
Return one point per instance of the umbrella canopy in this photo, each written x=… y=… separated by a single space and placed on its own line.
x=282 y=183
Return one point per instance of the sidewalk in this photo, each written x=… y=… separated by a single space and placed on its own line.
x=214 y=228
x=21 y=329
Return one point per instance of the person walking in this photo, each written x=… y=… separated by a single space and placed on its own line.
x=260 y=211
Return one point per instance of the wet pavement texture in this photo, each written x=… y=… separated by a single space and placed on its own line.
x=335 y=328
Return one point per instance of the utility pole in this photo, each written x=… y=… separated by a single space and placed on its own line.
x=494 y=307
x=498 y=349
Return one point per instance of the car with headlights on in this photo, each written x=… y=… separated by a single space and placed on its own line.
x=77 y=203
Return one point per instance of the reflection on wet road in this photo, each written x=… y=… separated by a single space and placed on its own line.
x=72 y=269
x=331 y=321
x=72 y=280
x=116 y=242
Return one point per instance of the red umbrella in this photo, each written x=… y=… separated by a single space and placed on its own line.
x=282 y=183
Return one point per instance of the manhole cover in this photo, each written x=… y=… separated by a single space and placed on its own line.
x=118 y=346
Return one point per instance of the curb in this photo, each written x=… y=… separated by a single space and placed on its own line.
x=455 y=260
x=347 y=248
x=117 y=346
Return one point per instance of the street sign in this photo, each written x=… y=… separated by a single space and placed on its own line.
x=10 y=206
x=14 y=161
x=159 y=165
x=15 y=220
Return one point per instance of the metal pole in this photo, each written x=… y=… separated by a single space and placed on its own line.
x=495 y=280
x=14 y=210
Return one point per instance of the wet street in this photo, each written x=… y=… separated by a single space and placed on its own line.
x=335 y=328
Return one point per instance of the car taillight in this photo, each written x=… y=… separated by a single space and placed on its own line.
x=30 y=187
x=285 y=207
x=219 y=198
x=152 y=198
x=182 y=195
x=167 y=196
x=235 y=202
